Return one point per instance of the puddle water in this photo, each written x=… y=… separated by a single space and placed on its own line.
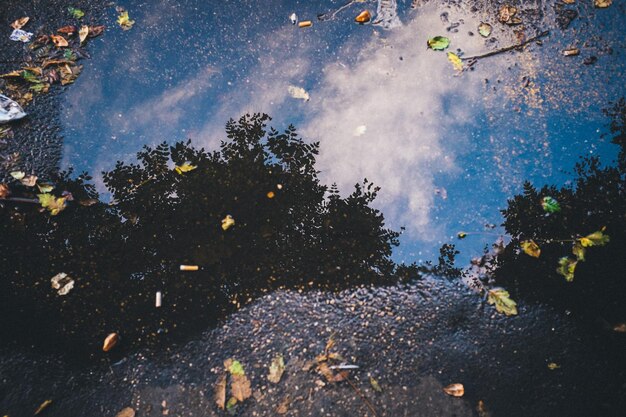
x=302 y=262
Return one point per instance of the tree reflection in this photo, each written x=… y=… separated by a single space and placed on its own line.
x=291 y=231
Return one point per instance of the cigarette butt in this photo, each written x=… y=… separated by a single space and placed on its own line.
x=158 y=299
x=305 y=24
x=571 y=52
x=189 y=267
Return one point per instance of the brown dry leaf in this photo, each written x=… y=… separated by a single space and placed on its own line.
x=325 y=370
x=240 y=387
x=43 y=406
x=277 y=367
x=220 y=392
x=283 y=407
x=29 y=180
x=455 y=390
x=126 y=412
x=20 y=23
x=4 y=191
x=341 y=376
x=68 y=30
x=363 y=17
x=88 y=203
x=110 y=341
x=59 y=41
x=329 y=345
x=83 y=33
x=620 y=328
x=69 y=74
x=95 y=31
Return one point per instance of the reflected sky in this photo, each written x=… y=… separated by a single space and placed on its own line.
x=383 y=106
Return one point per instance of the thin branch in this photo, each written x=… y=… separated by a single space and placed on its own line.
x=363 y=397
x=508 y=48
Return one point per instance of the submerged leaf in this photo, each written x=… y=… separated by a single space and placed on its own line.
x=220 y=392
x=375 y=385
x=124 y=21
x=567 y=266
x=53 y=204
x=277 y=368
x=484 y=29
x=530 y=248
x=227 y=222
x=59 y=41
x=186 y=167
x=95 y=31
x=438 y=43
x=455 y=390
x=550 y=205
x=456 y=61
x=504 y=305
x=595 y=239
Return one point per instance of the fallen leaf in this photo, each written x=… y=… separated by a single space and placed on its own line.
x=270 y=194
x=68 y=30
x=569 y=1
x=53 y=204
x=530 y=248
x=375 y=385
x=43 y=406
x=550 y=205
x=298 y=92
x=126 y=412
x=18 y=175
x=20 y=23
x=595 y=239
x=277 y=367
x=484 y=29
x=232 y=403
x=220 y=392
x=240 y=387
x=4 y=191
x=438 y=43
x=363 y=17
x=567 y=266
x=89 y=202
x=461 y=235
x=455 y=390
x=29 y=181
x=456 y=61
x=620 y=328
x=186 y=167
x=325 y=370
x=506 y=13
x=20 y=35
x=83 y=33
x=602 y=4
x=283 y=407
x=62 y=282
x=69 y=74
x=110 y=341
x=59 y=41
x=482 y=409
x=579 y=251
x=552 y=366
x=234 y=367
x=76 y=13
x=504 y=305
x=227 y=222
x=124 y=21
x=95 y=31
x=571 y=52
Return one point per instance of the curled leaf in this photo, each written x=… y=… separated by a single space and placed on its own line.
x=530 y=248
x=550 y=205
x=500 y=298
x=567 y=266
x=438 y=43
x=20 y=23
x=456 y=61
x=507 y=13
x=53 y=204
x=595 y=239
x=455 y=390
x=277 y=367
x=59 y=41
x=95 y=31
x=124 y=21
x=363 y=17
x=552 y=366
x=68 y=30
x=227 y=222
x=186 y=167
x=602 y=4
x=110 y=341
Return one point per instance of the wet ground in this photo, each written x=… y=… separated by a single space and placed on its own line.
x=453 y=149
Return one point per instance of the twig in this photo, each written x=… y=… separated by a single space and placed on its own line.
x=363 y=397
x=20 y=200
x=508 y=48
x=331 y=15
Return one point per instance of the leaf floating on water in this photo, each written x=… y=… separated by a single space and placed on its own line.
x=67 y=30
x=227 y=222
x=375 y=385
x=83 y=33
x=298 y=92
x=53 y=204
x=110 y=342
x=579 y=251
x=552 y=366
x=89 y=202
x=438 y=43
x=500 y=298
x=595 y=239
x=76 y=13
x=59 y=41
x=620 y=328
x=95 y=31
x=124 y=21
x=277 y=367
x=602 y=4
x=20 y=23
x=550 y=205
x=4 y=191
x=461 y=235
x=62 y=282
x=571 y=52
x=567 y=266
x=220 y=392
x=18 y=175
x=456 y=61
x=530 y=248
x=43 y=406
x=455 y=390
x=186 y=167
x=363 y=17
x=126 y=412
x=29 y=180
x=484 y=29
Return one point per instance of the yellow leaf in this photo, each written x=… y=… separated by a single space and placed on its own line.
x=227 y=222
x=53 y=204
x=503 y=303
x=567 y=267
x=59 y=41
x=186 y=167
x=375 y=385
x=595 y=239
x=530 y=248
x=455 y=390
x=124 y=21
x=552 y=366
x=456 y=61
x=83 y=33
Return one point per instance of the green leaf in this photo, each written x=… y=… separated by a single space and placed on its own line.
x=76 y=13
x=550 y=205
x=232 y=402
x=30 y=77
x=530 y=248
x=484 y=29
x=456 y=61
x=53 y=204
x=375 y=385
x=595 y=239
x=567 y=266
x=504 y=305
x=579 y=251
x=18 y=175
x=45 y=188
x=235 y=367
x=438 y=43
x=39 y=87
